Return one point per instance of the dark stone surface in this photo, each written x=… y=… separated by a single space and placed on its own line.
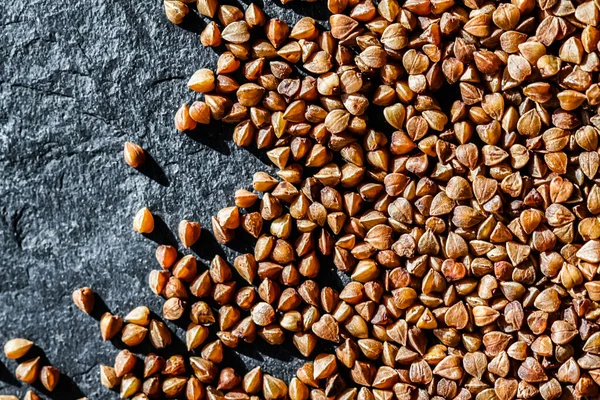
x=77 y=79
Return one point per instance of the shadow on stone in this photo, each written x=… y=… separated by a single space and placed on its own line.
x=315 y=10
x=260 y=154
x=214 y=135
x=7 y=377
x=161 y=233
x=281 y=352
x=100 y=307
x=207 y=247
x=152 y=170
x=247 y=349
x=193 y=22
x=117 y=342
x=329 y=273
x=243 y=4
x=301 y=9
x=242 y=243
x=260 y=351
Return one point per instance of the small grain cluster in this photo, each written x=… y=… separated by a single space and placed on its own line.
x=30 y=369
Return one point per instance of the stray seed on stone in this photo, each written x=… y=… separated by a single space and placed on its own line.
x=84 y=299
x=17 y=348
x=143 y=222
x=134 y=155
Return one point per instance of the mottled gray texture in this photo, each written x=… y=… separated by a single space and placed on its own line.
x=78 y=78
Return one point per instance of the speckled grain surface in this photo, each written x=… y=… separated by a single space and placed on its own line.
x=77 y=79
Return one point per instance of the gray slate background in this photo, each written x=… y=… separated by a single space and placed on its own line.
x=77 y=80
